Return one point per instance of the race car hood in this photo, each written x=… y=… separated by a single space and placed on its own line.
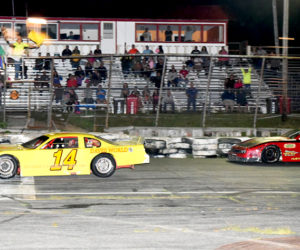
x=260 y=140
x=10 y=147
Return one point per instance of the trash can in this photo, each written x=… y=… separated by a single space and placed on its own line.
x=272 y=105
x=132 y=105
x=119 y=106
x=281 y=106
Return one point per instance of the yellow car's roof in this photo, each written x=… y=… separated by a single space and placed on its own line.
x=68 y=134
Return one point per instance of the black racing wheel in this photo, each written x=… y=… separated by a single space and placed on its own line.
x=103 y=165
x=270 y=154
x=8 y=167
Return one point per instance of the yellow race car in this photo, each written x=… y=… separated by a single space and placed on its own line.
x=70 y=154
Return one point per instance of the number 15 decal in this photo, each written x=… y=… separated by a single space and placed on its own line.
x=69 y=161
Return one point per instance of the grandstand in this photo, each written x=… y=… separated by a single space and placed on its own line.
x=40 y=98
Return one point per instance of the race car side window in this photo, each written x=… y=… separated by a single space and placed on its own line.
x=91 y=142
x=35 y=142
x=62 y=142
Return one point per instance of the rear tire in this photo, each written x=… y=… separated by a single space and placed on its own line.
x=103 y=165
x=270 y=154
x=8 y=167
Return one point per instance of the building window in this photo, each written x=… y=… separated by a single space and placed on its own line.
x=108 y=30
x=20 y=29
x=8 y=28
x=191 y=33
x=90 y=32
x=50 y=30
x=168 y=33
x=70 y=31
x=146 y=33
x=213 y=33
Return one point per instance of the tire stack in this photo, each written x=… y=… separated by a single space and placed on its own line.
x=204 y=147
x=154 y=147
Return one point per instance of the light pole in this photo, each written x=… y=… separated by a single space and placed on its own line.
x=13 y=7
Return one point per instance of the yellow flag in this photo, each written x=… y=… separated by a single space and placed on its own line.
x=37 y=37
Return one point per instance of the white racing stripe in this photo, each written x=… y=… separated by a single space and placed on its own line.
x=29 y=191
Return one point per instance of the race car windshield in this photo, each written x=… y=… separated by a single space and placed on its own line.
x=292 y=134
x=34 y=143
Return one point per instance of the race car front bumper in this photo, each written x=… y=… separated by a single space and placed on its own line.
x=236 y=158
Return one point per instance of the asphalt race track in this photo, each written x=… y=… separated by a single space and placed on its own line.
x=167 y=204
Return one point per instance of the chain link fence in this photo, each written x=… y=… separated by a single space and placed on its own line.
x=195 y=90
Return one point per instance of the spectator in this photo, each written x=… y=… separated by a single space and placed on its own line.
x=223 y=61
x=133 y=50
x=56 y=79
x=228 y=100
x=72 y=82
x=205 y=60
x=79 y=80
x=19 y=48
x=159 y=50
x=75 y=61
x=137 y=68
x=102 y=71
x=168 y=100
x=47 y=62
x=88 y=68
x=146 y=69
x=72 y=100
x=125 y=64
x=147 y=51
x=168 y=34
x=183 y=72
x=146 y=36
x=79 y=71
x=88 y=94
x=101 y=95
x=247 y=80
x=98 y=52
x=258 y=61
x=39 y=62
x=155 y=98
x=95 y=78
x=172 y=77
x=241 y=100
x=196 y=51
x=71 y=35
x=91 y=59
x=146 y=95
x=125 y=90
x=159 y=65
x=190 y=64
x=58 y=93
x=238 y=84
x=188 y=35
x=157 y=79
x=191 y=94
x=66 y=51
x=229 y=82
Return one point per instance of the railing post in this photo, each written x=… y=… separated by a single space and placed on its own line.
x=207 y=91
x=108 y=92
x=4 y=91
x=160 y=91
x=49 y=123
x=258 y=94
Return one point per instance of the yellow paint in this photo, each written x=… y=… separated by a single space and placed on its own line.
x=67 y=161
x=267 y=231
x=54 y=225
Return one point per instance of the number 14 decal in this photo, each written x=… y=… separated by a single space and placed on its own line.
x=69 y=161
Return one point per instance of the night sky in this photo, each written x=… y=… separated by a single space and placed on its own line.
x=250 y=20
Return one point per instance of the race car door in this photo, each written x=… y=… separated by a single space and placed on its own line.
x=60 y=156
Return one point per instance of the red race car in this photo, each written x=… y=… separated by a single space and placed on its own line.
x=284 y=148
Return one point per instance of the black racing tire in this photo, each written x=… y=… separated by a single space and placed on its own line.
x=8 y=166
x=270 y=154
x=103 y=165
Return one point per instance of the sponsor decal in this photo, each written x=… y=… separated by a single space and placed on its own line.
x=289 y=145
x=295 y=158
x=109 y=150
x=290 y=153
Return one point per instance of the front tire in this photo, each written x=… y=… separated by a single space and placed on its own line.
x=270 y=154
x=103 y=165
x=8 y=167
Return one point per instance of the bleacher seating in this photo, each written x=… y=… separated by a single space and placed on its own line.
x=40 y=98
